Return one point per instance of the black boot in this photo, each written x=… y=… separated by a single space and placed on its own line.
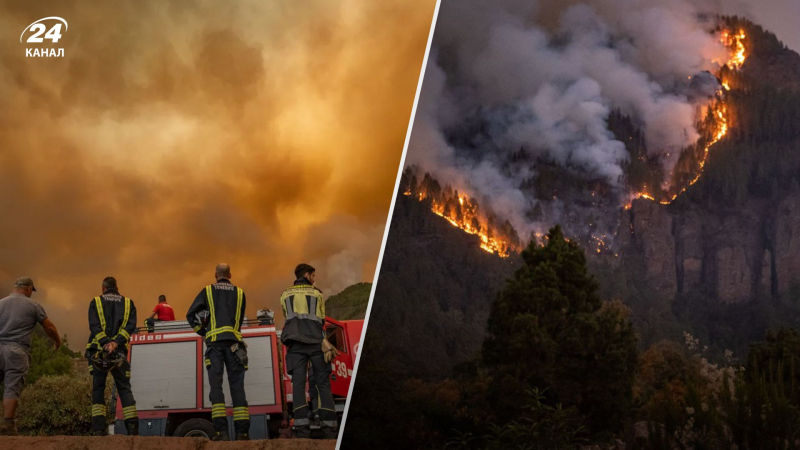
x=99 y=432
x=329 y=433
x=222 y=436
x=242 y=437
x=303 y=432
x=132 y=427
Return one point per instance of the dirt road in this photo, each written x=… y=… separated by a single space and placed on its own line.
x=154 y=443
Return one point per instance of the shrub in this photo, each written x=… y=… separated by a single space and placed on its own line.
x=58 y=405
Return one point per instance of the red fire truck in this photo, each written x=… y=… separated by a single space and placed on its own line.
x=171 y=387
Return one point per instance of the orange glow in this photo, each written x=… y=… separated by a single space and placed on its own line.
x=466 y=216
x=736 y=42
x=719 y=111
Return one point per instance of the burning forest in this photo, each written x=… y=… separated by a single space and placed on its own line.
x=589 y=135
x=463 y=212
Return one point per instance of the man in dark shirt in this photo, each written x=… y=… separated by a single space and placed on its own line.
x=18 y=317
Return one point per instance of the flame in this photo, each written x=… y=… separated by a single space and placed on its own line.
x=736 y=42
x=719 y=112
x=468 y=218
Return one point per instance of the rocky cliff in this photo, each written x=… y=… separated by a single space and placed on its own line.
x=733 y=256
x=735 y=235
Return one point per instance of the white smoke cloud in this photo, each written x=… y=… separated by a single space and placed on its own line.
x=545 y=77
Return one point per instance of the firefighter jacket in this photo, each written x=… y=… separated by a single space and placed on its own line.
x=112 y=317
x=225 y=304
x=304 y=309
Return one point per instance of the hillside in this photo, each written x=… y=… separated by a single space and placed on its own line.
x=434 y=291
x=720 y=262
x=349 y=304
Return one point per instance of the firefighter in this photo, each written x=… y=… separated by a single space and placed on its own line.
x=303 y=334
x=225 y=304
x=112 y=319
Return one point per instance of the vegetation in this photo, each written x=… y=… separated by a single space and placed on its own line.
x=349 y=304
x=57 y=405
x=706 y=375
x=57 y=398
x=48 y=362
x=548 y=329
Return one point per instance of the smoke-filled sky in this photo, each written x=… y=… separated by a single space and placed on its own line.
x=176 y=135
x=777 y=16
x=545 y=76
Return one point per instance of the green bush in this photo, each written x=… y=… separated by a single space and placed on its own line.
x=58 y=405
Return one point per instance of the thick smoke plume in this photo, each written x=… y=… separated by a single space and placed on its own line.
x=176 y=135
x=544 y=77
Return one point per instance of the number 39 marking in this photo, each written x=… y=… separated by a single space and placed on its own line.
x=37 y=28
x=340 y=369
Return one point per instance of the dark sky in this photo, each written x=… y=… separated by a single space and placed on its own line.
x=779 y=16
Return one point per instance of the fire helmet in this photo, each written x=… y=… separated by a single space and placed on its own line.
x=106 y=362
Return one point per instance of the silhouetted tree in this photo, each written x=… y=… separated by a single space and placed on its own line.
x=548 y=329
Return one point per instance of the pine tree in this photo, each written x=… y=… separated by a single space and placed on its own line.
x=548 y=329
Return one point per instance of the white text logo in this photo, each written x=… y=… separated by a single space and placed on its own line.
x=38 y=32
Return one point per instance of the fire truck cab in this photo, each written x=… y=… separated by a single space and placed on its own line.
x=171 y=387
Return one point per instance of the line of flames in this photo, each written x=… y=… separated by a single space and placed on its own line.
x=488 y=243
x=720 y=111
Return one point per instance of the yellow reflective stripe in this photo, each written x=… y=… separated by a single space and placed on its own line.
x=237 y=321
x=210 y=298
x=98 y=410
x=218 y=410
x=208 y=362
x=127 y=312
x=129 y=412
x=225 y=329
x=125 y=320
x=99 y=305
x=197 y=328
x=100 y=335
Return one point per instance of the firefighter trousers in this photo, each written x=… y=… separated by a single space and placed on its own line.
x=122 y=378
x=297 y=358
x=220 y=358
x=312 y=388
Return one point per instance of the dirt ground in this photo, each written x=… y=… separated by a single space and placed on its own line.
x=155 y=443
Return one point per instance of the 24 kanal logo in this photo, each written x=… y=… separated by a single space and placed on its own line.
x=38 y=32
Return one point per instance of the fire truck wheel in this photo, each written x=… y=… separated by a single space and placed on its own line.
x=195 y=428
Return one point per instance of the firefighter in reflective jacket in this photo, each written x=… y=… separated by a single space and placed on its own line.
x=303 y=333
x=225 y=304
x=112 y=319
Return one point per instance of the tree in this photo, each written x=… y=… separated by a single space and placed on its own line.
x=548 y=329
x=48 y=362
